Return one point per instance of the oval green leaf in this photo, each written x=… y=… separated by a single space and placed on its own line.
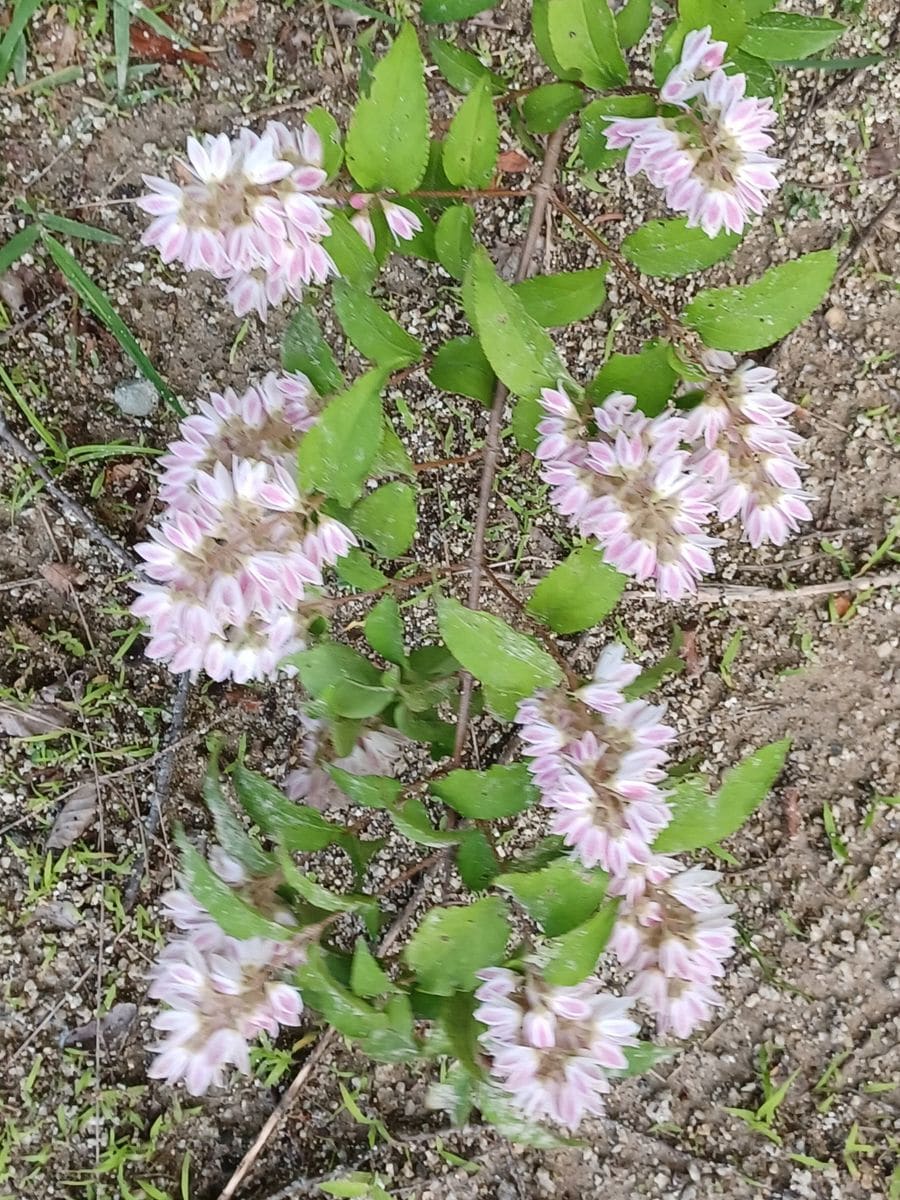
x=669 y=248
x=577 y=594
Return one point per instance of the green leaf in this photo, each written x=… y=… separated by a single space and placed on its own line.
x=384 y=630
x=293 y=826
x=452 y=944
x=495 y=654
x=336 y=454
x=560 y=897
x=577 y=594
x=121 y=43
x=667 y=51
x=369 y=791
x=670 y=248
x=349 y=1014
x=327 y=128
x=20 y=243
x=460 y=367
x=230 y=834
x=781 y=36
x=20 y=15
x=374 y=333
x=643 y=1057
x=726 y=17
x=574 y=955
x=499 y=1111
x=77 y=229
x=386 y=518
x=763 y=312
x=437 y=11
x=99 y=304
x=501 y=791
x=596 y=118
x=761 y=79
x=549 y=105
x=348 y=698
x=701 y=820
x=356 y=570
x=387 y=142
x=233 y=914
x=367 y=979
x=670 y=664
x=322 y=664
x=460 y=68
x=412 y=821
x=648 y=376
x=561 y=299
x=352 y=257
x=305 y=349
x=526 y=414
x=632 y=22
x=515 y=345
x=392 y=457
x=540 y=28
x=327 y=901
x=475 y=860
x=453 y=239
x=584 y=40
x=470 y=148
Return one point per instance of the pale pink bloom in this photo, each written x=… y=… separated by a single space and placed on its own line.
x=377 y=752
x=632 y=489
x=711 y=158
x=402 y=222
x=551 y=1048
x=249 y=211
x=597 y=760
x=675 y=932
x=748 y=451
x=700 y=56
x=263 y=423
x=362 y=223
x=221 y=992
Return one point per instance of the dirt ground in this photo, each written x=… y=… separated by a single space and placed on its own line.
x=813 y=994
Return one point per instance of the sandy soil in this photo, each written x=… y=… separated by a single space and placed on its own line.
x=814 y=986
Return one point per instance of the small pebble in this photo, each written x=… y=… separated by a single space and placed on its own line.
x=836 y=319
x=137 y=398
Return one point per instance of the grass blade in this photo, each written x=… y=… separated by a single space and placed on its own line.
x=17 y=245
x=89 y=233
x=99 y=304
x=121 y=46
x=46 y=82
x=22 y=14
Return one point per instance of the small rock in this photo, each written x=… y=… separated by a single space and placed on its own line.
x=836 y=319
x=885 y=650
x=137 y=398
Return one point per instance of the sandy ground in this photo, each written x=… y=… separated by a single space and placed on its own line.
x=814 y=988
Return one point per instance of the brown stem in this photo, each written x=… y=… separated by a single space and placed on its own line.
x=435 y=464
x=543 y=194
x=549 y=642
x=674 y=327
x=395 y=585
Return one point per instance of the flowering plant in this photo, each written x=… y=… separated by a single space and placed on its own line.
x=585 y=947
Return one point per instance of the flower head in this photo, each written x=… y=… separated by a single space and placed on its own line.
x=551 y=1048
x=748 y=450
x=249 y=211
x=597 y=760
x=221 y=992
x=711 y=157
x=631 y=488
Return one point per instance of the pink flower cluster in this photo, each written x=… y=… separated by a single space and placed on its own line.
x=675 y=932
x=711 y=156
x=647 y=489
x=238 y=546
x=631 y=488
x=250 y=210
x=221 y=992
x=748 y=451
x=598 y=760
x=551 y=1047
x=376 y=752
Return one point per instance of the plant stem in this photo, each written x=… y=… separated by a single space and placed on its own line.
x=543 y=195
